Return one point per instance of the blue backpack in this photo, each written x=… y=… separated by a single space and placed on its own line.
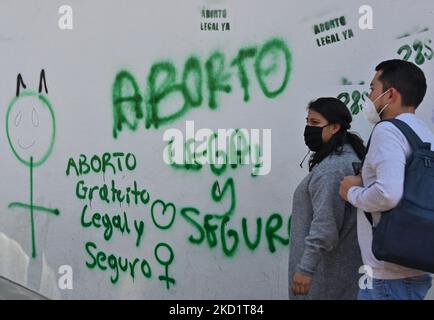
x=405 y=234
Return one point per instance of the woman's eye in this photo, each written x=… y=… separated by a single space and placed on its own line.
x=35 y=118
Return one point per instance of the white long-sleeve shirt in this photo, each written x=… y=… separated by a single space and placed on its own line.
x=383 y=178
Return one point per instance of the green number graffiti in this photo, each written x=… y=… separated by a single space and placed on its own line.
x=422 y=51
x=354 y=102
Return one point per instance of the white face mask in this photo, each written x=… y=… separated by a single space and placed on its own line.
x=370 y=111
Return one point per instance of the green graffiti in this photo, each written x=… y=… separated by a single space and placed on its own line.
x=258 y=163
x=217 y=77
x=219 y=231
x=419 y=52
x=217 y=195
x=157 y=93
x=33 y=207
x=238 y=155
x=330 y=24
x=213 y=13
x=103 y=261
x=289 y=229
x=28 y=154
x=219 y=169
x=273 y=48
x=271 y=60
x=193 y=69
x=126 y=104
x=166 y=263
x=107 y=222
x=162 y=214
x=213 y=231
x=139 y=227
x=274 y=223
x=346 y=82
x=210 y=230
x=190 y=163
x=239 y=148
x=228 y=251
x=252 y=245
x=355 y=101
x=115 y=161
x=157 y=214
x=190 y=156
x=185 y=214
x=239 y=62
x=219 y=154
x=112 y=194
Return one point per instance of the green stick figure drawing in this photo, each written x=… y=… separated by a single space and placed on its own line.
x=31 y=129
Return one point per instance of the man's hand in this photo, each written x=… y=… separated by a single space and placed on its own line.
x=301 y=284
x=347 y=183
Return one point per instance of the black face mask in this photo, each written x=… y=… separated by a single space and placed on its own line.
x=313 y=137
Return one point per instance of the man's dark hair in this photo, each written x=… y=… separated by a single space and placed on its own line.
x=407 y=78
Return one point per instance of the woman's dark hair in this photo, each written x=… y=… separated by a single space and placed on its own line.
x=335 y=111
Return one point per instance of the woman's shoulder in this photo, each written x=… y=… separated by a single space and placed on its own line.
x=338 y=163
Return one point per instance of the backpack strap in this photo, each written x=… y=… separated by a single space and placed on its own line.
x=368 y=214
x=369 y=217
x=412 y=138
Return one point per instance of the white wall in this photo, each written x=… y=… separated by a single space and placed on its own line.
x=81 y=66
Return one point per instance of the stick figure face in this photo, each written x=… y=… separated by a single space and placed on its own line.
x=30 y=127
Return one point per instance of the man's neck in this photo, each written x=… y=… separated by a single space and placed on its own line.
x=402 y=110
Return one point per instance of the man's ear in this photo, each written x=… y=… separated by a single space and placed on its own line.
x=20 y=83
x=42 y=81
x=392 y=95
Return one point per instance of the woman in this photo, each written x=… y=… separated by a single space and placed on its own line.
x=324 y=257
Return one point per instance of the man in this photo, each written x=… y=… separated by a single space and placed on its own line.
x=397 y=90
